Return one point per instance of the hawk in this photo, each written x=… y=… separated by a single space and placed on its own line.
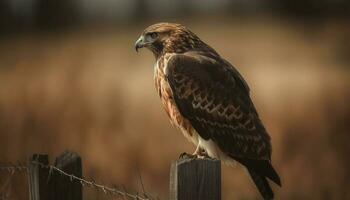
x=209 y=101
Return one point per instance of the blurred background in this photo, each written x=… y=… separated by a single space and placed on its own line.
x=71 y=79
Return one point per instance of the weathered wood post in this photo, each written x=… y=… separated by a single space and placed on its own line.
x=46 y=185
x=195 y=179
x=62 y=186
x=38 y=177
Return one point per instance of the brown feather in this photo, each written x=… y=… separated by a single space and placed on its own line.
x=208 y=99
x=167 y=99
x=217 y=104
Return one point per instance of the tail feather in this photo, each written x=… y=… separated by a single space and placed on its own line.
x=262 y=185
x=262 y=167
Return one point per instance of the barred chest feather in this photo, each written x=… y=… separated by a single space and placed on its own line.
x=167 y=99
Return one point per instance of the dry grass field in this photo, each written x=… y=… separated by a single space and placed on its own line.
x=87 y=90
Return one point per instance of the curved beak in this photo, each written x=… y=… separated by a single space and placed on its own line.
x=139 y=43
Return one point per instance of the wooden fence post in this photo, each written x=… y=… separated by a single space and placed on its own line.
x=195 y=179
x=62 y=186
x=38 y=177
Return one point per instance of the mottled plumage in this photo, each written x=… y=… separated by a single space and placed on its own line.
x=208 y=100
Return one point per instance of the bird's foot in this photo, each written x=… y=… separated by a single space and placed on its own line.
x=203 y=154
x=197 y=155
x=185 y=155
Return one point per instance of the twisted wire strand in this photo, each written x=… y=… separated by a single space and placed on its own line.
x=15 y=168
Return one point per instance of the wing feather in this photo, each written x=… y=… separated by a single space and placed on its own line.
x=213 y=96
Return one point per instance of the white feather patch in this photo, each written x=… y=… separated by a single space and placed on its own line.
x=215 y=152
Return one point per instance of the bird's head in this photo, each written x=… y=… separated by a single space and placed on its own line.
x=163 y=38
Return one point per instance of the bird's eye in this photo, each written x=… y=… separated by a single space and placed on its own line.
x=153 y=35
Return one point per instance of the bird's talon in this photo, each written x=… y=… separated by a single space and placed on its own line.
x=185 y=155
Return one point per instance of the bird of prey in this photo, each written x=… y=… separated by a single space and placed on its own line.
x=209 y=101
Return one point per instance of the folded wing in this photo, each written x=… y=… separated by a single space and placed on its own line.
x=213 y=96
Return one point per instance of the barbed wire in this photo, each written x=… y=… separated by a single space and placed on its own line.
x=107 y=190
x=10 y=167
